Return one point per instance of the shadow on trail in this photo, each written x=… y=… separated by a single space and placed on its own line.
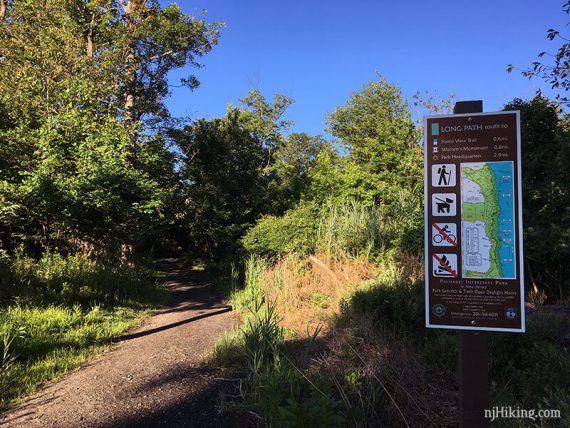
x=198 y=407
x=173 y=325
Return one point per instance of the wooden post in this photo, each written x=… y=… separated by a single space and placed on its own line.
x=473 y=367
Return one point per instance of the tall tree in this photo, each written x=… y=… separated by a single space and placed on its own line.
x=154 y=41
x=67 y=175
x=264 y=119
x=382 y=140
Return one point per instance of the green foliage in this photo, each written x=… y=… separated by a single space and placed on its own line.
x=75 y=279
x=397 y=304
x=327 y=179
x=42 y=343
x=342 y=228
x=382 y=140
x=262 y=335
x=287 y=398
x=557 y=72
x=532 y=370
x=250 y=297
x=263 y=118
x=293 y=158
x=295 y=231
x=82 y=190
x=546 y=194
x=82 y=88
x=350 y=228
x=122 y=48
x=226 y=188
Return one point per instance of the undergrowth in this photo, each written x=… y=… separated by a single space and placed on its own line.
x=57 y=312
x=370 y=361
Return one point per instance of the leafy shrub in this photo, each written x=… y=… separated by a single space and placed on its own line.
x=295 y=231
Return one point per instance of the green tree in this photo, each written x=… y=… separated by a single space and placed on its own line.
x=382 y=141
x=81 y=85
x=294 y=156
x=546 y=193
x=264 y=118
x=153 y=41
x=225 y=188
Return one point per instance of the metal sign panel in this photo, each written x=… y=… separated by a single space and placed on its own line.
x=473 y=222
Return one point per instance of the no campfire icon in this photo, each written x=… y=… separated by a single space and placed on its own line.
x=445 y=265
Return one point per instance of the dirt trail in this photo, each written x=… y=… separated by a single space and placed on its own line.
x=154 y=376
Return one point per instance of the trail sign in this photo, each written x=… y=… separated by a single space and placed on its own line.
x=473 y=222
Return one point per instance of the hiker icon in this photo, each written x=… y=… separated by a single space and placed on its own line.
x=443 y=204
x=443 y=175
x=445 y=265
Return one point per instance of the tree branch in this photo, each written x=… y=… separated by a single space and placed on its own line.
x=167 y=53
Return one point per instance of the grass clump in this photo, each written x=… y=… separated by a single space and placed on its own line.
x=42 y=343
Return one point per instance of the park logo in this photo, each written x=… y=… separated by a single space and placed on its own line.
x=438 y=310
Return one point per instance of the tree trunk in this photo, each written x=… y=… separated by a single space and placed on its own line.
x=3 y=6
x=90 y=35
x=130 y=85
x=131 y=8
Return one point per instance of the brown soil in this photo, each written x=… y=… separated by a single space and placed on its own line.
x=155 y=375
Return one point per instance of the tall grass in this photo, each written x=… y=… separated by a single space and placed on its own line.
x=359 y=230
x=42 y=343
x=58 y=311
x=74 y=279
x=340 y=229
x=352 y=228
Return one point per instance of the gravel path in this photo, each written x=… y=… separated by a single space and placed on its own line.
x=154 y=376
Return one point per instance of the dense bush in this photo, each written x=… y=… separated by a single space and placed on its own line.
x=295 y=231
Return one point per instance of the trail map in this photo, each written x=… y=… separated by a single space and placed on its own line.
x=487 y=219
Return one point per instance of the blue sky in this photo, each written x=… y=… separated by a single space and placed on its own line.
x=319 y=52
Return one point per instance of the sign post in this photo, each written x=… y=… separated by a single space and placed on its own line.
x=473 y=238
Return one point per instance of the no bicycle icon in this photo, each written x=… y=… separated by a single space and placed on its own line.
x=444 y=234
